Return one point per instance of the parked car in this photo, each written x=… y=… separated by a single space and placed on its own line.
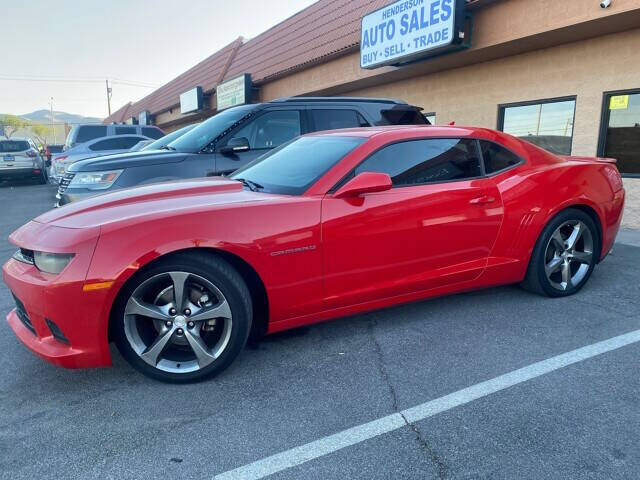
x=92 y=149
x=334 y=223
x=231 y=139
x=86 y=132
x=20 y=158
x=162 y=142
x=140 y=145
x=51 y=150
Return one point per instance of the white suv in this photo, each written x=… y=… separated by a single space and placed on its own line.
x=19 y=158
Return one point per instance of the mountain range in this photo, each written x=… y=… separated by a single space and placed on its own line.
x=44 y=116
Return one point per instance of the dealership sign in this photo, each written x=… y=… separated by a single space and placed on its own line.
x=408 y=30
x=191 y=100
x=236 y=91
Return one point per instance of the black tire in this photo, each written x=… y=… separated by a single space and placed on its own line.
x=213 y=269
x=536 y=279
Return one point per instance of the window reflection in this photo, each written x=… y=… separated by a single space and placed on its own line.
x=546 y=124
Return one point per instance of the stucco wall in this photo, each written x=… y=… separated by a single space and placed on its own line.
x=471 y=95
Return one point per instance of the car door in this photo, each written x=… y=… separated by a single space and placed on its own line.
x=265 y=131
x=436 y=226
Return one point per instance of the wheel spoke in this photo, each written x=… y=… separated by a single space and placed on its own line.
x=566 y=275
x=221 y=310
x=138 y=307
x=179 y=280
x=152 y=354
x=577 y=232
x=203 y=355
x=558 y=240
x=553 y=265
x=583 y=257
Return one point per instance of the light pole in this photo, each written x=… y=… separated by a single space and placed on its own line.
x=108 y=96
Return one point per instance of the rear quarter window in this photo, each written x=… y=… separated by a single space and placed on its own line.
x=497 y=158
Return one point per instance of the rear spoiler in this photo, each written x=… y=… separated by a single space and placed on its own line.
x=611 y=161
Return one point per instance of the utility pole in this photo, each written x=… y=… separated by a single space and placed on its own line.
x=53 y=128
x=108 y=96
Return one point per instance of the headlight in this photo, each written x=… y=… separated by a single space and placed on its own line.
x=51 y=262
x=95 y=180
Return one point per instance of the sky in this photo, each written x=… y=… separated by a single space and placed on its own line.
x=65 y=49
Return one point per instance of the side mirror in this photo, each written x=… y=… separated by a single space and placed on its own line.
x=365 y=182
x=235 y=145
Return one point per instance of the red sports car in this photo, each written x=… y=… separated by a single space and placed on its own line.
x=179 y=274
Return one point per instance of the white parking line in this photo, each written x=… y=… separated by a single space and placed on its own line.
x=324 y=446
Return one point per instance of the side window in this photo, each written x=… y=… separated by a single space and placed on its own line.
x=271 y=129
x=334 y=119
x=115 y=143
x=497 y=158
x=125 y=130
x=426 y=161
x=89 y=132
x=151 y=132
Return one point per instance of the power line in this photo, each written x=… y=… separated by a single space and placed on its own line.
x=35 y=78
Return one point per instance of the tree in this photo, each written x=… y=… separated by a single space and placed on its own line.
x=11 y=124
x=41 y=132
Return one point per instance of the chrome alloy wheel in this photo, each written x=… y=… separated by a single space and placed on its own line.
x=178 y=322
x=569 y=255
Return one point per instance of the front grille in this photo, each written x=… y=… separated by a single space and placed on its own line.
x=22 y=314
x=65 y=181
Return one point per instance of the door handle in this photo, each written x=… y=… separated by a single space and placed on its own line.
x=484 y=199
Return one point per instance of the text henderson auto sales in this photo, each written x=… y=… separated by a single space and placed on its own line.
x=402 y=30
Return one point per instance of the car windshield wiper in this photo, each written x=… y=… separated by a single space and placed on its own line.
x=167 y=147
x=253 y=186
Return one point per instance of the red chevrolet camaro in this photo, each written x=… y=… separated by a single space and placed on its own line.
x=179 y=274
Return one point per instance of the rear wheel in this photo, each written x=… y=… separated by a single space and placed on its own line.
x=184 y=319
x=564 y=256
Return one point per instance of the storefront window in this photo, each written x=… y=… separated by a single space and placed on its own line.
x=546 y=123
x=620 y=134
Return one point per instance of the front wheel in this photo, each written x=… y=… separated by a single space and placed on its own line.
x=564 y=256
x=184 y=319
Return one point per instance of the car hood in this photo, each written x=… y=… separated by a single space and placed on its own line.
x=127 y=160
x=154 y=201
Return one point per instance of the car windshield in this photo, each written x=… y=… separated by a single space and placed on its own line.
x=293 y=167
x=10 y=146
x=168 y=138
x=203 y=134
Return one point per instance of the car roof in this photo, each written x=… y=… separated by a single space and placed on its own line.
x=392 y=101
x=407 y=131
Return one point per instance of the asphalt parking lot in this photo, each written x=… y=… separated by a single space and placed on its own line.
x=576 y=419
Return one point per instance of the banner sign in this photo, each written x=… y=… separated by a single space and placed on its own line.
x=410 y=29
x=236 y=91
x=191 y=100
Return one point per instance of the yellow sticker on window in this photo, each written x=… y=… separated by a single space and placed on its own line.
x=619 y=102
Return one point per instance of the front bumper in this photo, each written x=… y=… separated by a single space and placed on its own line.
x=44 y=300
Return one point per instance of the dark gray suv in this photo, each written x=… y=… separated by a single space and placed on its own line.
x=230 y=140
